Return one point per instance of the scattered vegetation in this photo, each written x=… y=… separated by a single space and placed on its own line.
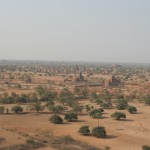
x=121 y=104
x=71 y=116
x=17 y=109
x=132 y=109
x=145 y=147
x=56 y=119
x=99 y=132
x=2 y=109
x=84 y=130
x=95 y=111
x=118 y=115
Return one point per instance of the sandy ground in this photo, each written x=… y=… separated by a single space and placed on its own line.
x=130 y=134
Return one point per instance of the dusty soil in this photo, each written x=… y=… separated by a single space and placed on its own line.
x=130 y=134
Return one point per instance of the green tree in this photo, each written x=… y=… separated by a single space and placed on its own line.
x=99 y=101
x=98 y=116
x=121 y=104
x=40 y=90
x=66 y=97
x=87 y=107
x=56 y=119
x=132 y=109
x=93 y=112
x=48 y=96
x=145 y=147
x=118 y=115
x=147 y=101
x=106 y=105
x=2 y=109
x=77 y=108
x=84 y=130
x=37 y=107
x=17 y=109
x=55 y=109
x=71 y=116
x=99 y=132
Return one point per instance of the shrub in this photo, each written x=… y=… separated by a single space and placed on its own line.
x=145 y=147
x=77 y=108
x=99 y=132
x=56 y=119
x=106 y=105
x=118 y=115
x=84 y=130
x=48 y=103
x=132 y=109
x=88 y=108
x=71 y=116
x=98 y=101
x=7 y=100
x=67 y=138
x=94 y=111
x=106 y=148
x=122 y=104
x=147 y=101
x=30 y=141
x=55 y=109
x=37 y=107
x=2 y=109
x=17 y=109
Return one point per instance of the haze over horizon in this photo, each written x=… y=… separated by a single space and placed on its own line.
x=71 y=30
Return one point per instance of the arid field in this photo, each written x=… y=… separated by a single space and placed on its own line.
x=125 y=135
x=25 y=88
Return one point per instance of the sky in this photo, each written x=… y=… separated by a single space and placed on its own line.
x=75 y=30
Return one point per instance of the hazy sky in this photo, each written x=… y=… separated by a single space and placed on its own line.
x=82 y=30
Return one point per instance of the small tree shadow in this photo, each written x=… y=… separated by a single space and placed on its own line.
x=103 y=117
x=65 y=123
x=111 y=136
x=126 y=120
x=138 y=113
x=83 y=114
x=77 y=121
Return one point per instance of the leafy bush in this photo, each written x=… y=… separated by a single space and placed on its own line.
x=7 y=100
x=99 y=132
x=145 y=147
x=118 y=115
x=71 y=116
x=17 y=109
x=56 y=119
x=67 y=138
x=37 y=107
x=88 y=108
x=132 y=109
x=147 y=101
x=84 y=130
x=98 y=101
x=106 y=105
x=122 y=104
x=30 y=141
x=23 y=98
x=48 y=103
x=77 y=108
x=94 y=111
x=55 y=109
x=2 y=109
x=106 y=148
